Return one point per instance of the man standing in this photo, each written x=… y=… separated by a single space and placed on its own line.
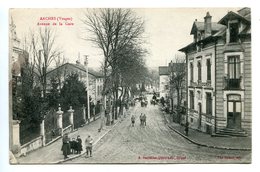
x=65 y=146
x=88 y=144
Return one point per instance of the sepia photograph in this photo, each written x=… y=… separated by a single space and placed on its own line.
x=130 y=85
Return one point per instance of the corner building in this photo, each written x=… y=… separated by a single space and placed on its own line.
x=219 y=74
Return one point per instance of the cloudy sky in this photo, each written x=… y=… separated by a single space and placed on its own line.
x=166 y=30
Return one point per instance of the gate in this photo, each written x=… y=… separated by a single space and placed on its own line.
x=50 y=125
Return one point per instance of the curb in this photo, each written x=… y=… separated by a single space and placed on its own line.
x=83 y=152
x=201 y=144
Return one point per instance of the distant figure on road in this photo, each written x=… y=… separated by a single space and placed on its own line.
x=133 y=120
x=144 y=119
x=141 y=119
x=88 y=144
x=79 y=145
x=65 y=146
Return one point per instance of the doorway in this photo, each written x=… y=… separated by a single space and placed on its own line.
x=234 y=112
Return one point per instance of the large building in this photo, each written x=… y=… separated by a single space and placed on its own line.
x=219 y=74
x=172 y=84
x=95 y=78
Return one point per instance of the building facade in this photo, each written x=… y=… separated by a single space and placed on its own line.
x=219 y=74
x=164 y=81
x=95 y=78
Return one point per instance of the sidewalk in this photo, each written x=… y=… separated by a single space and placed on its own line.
x=203 y=139
x=52 y=153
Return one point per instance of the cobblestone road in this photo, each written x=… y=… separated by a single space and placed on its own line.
x=155 y=143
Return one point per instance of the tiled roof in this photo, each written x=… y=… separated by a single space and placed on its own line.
x=80 y=67
x=201 y=26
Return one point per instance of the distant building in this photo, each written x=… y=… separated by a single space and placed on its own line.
x=219 y=74
x=95 y=78
x=164 y=83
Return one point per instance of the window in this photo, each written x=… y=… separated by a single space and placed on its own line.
x=208 y=70
x=233 y=67
x=208 y=104
x=98 y=90
x=199 y=71
x=191 y=100
x=233 y=30
x=199 y=95
x=191 y=71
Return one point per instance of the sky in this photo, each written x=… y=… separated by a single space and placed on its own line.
x=166 y=31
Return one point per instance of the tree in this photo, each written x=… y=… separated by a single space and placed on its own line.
x=177 y=82
x=43 y=52
x=73 y=92
x=112 y=30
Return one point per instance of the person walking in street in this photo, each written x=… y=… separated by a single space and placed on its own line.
x=79 y=145
x=141 y=119
x=133 y=120
x=88 y=144
x=65 y=146
x=144 y=119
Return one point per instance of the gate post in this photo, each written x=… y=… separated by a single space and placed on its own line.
x=42 y=131
x=59 y=120
x=71 y=111
x=16 y=146
x=84 y=114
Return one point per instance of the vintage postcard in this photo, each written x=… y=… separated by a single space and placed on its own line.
x=130 y=85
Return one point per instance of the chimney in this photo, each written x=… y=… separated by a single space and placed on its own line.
x=207 y=25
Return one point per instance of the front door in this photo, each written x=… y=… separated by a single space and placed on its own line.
x=234 y=113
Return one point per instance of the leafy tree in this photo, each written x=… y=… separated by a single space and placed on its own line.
x=54 y=96
x=73 y=92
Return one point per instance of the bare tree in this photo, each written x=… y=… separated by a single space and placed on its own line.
x=44 y=51
x=177 y=82
x=112 y=30
x=59 y=61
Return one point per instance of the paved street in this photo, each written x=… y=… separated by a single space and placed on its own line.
x=155 y=143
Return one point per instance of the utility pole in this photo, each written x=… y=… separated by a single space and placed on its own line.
x=86 y=65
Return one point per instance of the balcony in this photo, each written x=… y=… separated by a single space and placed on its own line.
x=232 y=84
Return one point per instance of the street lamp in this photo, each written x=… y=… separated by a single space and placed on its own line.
x=86 y=65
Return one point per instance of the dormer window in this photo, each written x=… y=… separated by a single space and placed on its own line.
x=233 y=31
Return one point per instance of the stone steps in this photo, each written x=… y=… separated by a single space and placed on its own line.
x=227 y=132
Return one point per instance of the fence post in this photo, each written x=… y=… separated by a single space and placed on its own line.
x=42 y=131
x=71 y=111
x=59 y=120
x=84 y=114
x=16 y=145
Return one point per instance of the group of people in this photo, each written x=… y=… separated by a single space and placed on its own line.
x=74 y=146
x=142 y=120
